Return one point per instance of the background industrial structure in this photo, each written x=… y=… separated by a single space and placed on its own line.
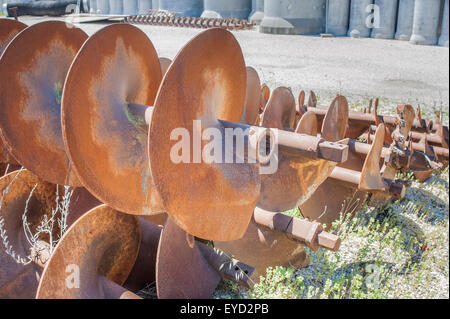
x=422 y=22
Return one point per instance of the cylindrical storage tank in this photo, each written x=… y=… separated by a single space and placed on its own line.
x=116 y=6
x=103 y=6
x=386 y=12
x=93 y=6
x=443 y=40
x=188 y=8
x=130 y=7
x=337 y=17
x=293 y=17
x=239 y=9
x=360 y=19
x=155 y=4
x=257 y=13
x=405 y=20
x=144 y=6
x=426 y=22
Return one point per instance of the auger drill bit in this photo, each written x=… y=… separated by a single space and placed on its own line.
x=420 y=157
x=439 y=138
x=118 y=170
x=24 y=194
x=360 y=122
x=118 y=254
x=398 y=157
x=272 y=238
x=215 y=200
x=297 y=177
x=346 y=190
x=8 y=30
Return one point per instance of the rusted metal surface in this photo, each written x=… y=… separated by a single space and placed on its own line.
x=144 y=269
x=275 y=239
x=265 y=96
x=308 y=233
x=106 y=141
x=299 y=175
x=186 y=271
x=167 y=18
x=213 y=201
x=17 y=280
x=262 y=248
x=8 y=168
x=206 y=81
x=370 y=179
x=81 y=201
x=8 y=30
x=350 y=188
x=107 y=245
x=361 y=122
x=252 y=98
x=30 y=121
x=280 y=110
x=308 y=124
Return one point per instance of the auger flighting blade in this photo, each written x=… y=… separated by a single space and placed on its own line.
x=350 y=188
x=105 y=136
x=27 y=202
x=297 y=177
x=8 y=30
x=252 y=97
x=101 y=248
x=187 y=269
x=308 y=124
x=18 y=280
x=30 y=121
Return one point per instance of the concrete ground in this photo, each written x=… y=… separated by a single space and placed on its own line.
x=395 y=71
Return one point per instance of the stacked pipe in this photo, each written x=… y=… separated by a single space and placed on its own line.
x=136 y=215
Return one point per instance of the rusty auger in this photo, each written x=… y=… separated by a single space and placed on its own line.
x=164 y=18
x=55 y=36
x=273 y=238
x=350 y=188
x=361 y=122
x=24 y=194
x=399 y=156
x=119 y=253
x=113 y=165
